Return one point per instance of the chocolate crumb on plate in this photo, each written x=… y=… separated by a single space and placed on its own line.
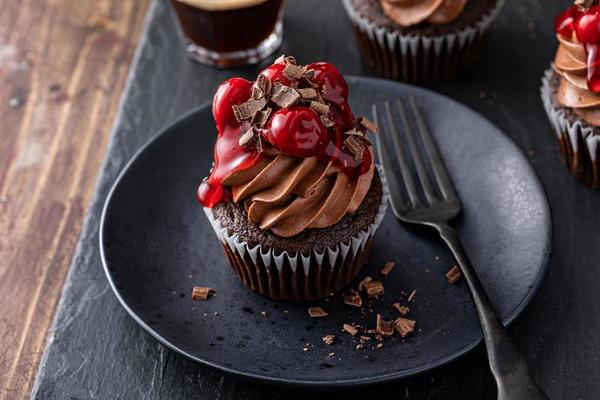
x=328 y=339
x=453 y=275
x=316 y=312
x=384 y=328
x=365 y=338
x=350 y=329
x=360 y=346
x=201 y=293
x=353 y=299
x=366 y=279
x=401 y=309
x=374 y=288
x=412 y=295
x=388 y=267
x=404 y=326
x=379 y=345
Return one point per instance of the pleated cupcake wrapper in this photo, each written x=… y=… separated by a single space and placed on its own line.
x=419 y=58
x=297 y=276
x=579 y=145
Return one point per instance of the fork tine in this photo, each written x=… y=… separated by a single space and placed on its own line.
x=416 y=156
x=397 y=200
x=440 y=172
x=409 y=185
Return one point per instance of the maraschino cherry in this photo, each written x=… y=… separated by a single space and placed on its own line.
x=297 y=131
x=585 y=23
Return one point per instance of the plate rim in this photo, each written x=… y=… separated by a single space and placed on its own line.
x=338 y=384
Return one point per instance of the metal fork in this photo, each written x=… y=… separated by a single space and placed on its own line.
x=441 y=205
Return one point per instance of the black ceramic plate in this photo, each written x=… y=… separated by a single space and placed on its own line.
x=157 y=244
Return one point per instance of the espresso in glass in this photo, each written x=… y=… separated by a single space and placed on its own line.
x=227 y=33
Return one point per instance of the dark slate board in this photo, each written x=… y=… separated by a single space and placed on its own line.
x=97 y=352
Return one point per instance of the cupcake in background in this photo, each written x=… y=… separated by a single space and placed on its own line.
x=294 y=195
x=421 y=41
x=571 y=90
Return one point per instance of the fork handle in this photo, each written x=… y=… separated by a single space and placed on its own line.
x=508 y=366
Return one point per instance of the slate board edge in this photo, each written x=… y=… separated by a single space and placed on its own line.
x=107 y=172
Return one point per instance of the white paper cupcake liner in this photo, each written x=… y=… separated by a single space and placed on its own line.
x=419 y=58
x=579 y=145
x=297 y=276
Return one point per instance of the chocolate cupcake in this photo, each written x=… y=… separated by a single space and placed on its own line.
x=294 y=196
x=421 y=40
x=571 y=91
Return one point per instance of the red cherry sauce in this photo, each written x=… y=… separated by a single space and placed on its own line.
x=297 y=131
x=334 y=89
x=586 y=26
x=228 y=155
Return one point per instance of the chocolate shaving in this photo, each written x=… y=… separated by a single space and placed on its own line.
x=289 y=60
x=293 y=71
x=355 y=146
x=379 y=345
x=259 y=143
x=284 y=96
x=365 y=339
x=453 y=275
x=354 y=132
x=319 y=108
x=316 y=312
x=353 y=299
x=261 y=117
x=374 y=289
x=247 y=109
x=388 y=267
x=280 y=59
x=401 y=309
x=350 y=329
x=362 y=285
x=326 y=121
x=308 y=93
x=404 y=326
x=412 y=295
x=368 y=125
x=247 y=137
x=262 y=85
x=384 y=328
x=201 y=293
x=328 y=339
x=584 y=4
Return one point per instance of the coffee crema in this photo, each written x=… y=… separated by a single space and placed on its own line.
x=221 y=5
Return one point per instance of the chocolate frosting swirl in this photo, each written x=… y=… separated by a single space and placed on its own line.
x=571 y=64
x=413 y=12
x=288 y=194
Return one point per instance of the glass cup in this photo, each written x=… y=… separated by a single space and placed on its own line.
x=227 y=33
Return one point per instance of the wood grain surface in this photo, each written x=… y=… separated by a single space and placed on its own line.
x=63 y=65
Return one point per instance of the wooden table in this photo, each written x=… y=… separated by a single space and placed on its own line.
x=97 y=351
x=63 y=64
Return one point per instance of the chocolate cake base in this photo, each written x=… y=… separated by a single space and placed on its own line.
x=304 y=267
x=577 y=156
x=423 y=53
